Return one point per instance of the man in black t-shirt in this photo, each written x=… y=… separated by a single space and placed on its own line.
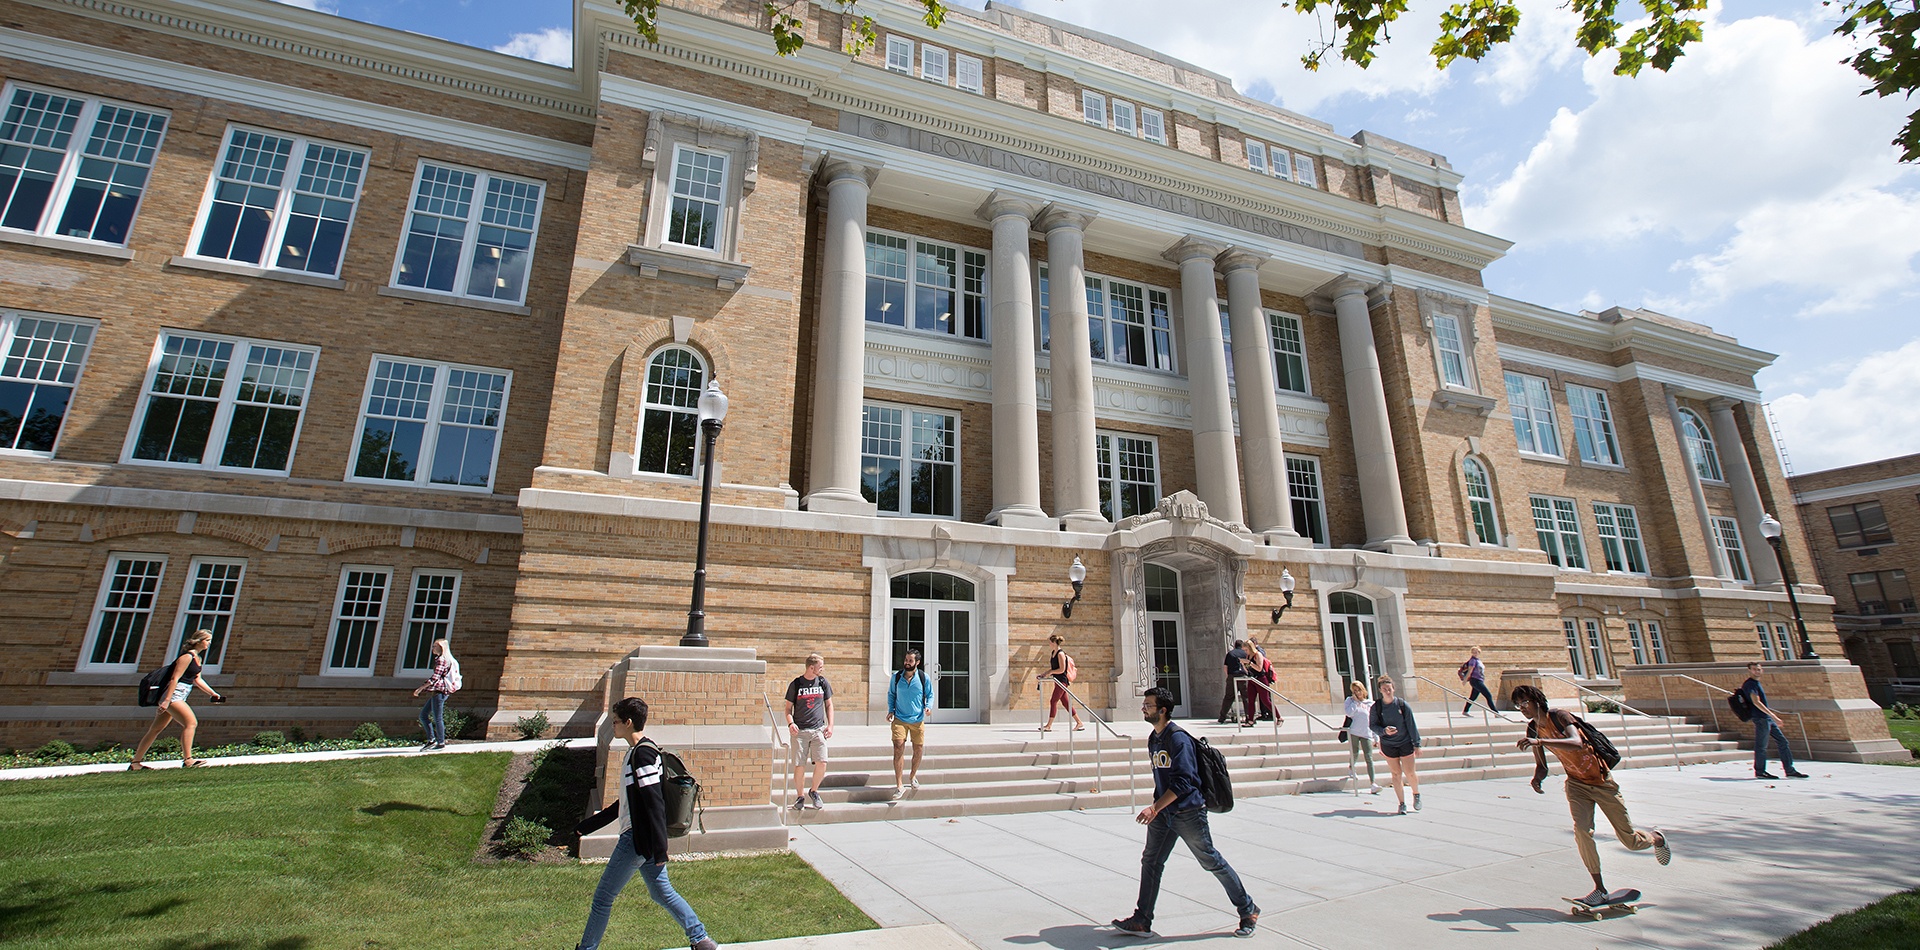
x=1236 y=668
x=810 y=719
x=1766 y=724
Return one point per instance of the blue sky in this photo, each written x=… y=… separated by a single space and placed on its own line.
x=1750 y=189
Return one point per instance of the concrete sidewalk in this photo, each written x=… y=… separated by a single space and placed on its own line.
x=1483 y=865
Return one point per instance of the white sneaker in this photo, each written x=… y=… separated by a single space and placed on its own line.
x=899 y=791
x=1374 y=790
x=1351 y=776
x=914 y=781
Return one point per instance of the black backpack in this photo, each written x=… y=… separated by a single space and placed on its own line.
x=152 y=683
x=1596 y=740
x=1216 y=783
x=681 y=791
x=1741 y=704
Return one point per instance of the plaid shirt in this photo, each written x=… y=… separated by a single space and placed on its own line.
x=437 y=681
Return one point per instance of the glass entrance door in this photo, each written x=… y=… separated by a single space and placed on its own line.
x=933 y=613
x=1356 y=639
x=1169 y=636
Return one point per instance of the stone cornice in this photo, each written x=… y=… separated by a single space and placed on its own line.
x=1643 y=337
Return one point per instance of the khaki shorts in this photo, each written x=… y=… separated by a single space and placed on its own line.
x=810 y=746
x=917 y=731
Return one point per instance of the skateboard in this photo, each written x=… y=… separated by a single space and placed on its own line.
x=1618 y=900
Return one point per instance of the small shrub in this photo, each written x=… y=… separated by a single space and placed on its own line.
x=269 y=739
x=164 y=747
x=57 y=749
x=524 y=837
x=532 y=727
x=106 y=745
x=457 y=721
x=368 y=732
x=1602 y=706
x=296 y=735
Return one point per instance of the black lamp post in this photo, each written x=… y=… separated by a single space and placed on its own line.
x=1770 y=529
x=713 y=412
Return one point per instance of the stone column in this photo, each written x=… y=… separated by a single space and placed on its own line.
x=1216 y=469
x=1746 y=491
x=1382 y=505
x=840 y=365
x=1076 y=481
x=1016 y=420
x=1262 y=451
x=1715 y=559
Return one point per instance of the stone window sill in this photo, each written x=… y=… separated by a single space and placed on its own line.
x=1465 y=401
x=657 y=261
x=60 y=243
x=250 y=270
x=424 y=296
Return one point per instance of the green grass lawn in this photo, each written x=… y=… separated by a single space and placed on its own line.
x=374 y=853
x=1889 y=924
x=1906 y=731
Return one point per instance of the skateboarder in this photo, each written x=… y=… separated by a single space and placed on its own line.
x=1589 y=785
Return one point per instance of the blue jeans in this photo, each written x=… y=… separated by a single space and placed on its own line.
x=433 y=717
x=1762 y=728
x=613 y=880
x=1189 y=826
x=1479 y=690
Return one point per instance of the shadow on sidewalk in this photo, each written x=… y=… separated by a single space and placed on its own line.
x=1501 y=919
x=1091 y=937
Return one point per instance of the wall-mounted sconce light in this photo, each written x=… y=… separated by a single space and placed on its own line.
x=1078 y=575
x=1286 y=590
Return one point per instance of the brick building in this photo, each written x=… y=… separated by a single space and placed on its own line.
x=336 y=339
x=1855 y=518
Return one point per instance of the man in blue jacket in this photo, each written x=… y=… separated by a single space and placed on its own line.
x=909 y=692
x=1178 y=810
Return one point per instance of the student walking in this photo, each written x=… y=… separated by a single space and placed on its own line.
x=1259 y=674
x=642 y=811
x=810 y=719
x=1178 y=811
x=182 y=676
x=1392 y=720
x=909 y=694
x=1589 y=785
x=1360 y=736
x=1236 y=669
x=1473 y=674
x=1060 y=669
x=1766 y=724
x=442 y=681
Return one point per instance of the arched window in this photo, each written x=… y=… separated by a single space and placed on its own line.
x=1700 y=446
x=670 y=413
x=1355 y=638
x=1480 y=502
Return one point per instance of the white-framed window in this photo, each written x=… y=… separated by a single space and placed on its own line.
x=1706 y=462
x=1593 y=425
x=1486 y=525
x=699 y=193
x=74 y=166
x=1093 y=108
x=429 y=617
x=1636 y=643
x=1042 y=304
x=1557 y=523
x=1129 y=470
x=469 y=233
x=1281 y=161
x=359 y=609
x=122 y=613
x=1257 y=156
x=1783 y=640
x=670 y=413
x=1123 y=118
x=1726 y=534
x=969 y=74
x=910 y=460
x=1576 y=657
x=430 y=424
x=40 y=363
x=900 y=54
x=1619 y=531
x=256 y=212
x=1130 y=323
x=933 y=64
x=1303 y=492
x=937 y=288
x=1153 y=126
x=1289 y=352
x=1777 y=647
x=1766 y=642
x=1226 y=334
x=222 y=403
x=207 y=603
x=1656 y=643
x=1531 y=403
x=1448 y=347
x=1303 y=170
x=1597 y=648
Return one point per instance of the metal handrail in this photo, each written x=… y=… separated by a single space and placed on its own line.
x=786 y=751
x=1715 y=707
x=1673 y=741
x=1485 y=710
x=1099 y=763
x=1313 y=761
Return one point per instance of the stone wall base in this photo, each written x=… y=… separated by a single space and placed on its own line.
x=1824 y=704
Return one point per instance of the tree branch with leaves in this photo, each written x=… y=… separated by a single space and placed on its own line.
x=788 y=27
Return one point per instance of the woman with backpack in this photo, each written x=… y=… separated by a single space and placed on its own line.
x=1061 y=669
x=1392 y=720
x=442 y=681
x=182 y=676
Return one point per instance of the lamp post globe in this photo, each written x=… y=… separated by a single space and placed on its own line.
x=1770 y=528
x=713 y=413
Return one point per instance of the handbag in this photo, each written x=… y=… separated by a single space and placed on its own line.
x=1344 y=724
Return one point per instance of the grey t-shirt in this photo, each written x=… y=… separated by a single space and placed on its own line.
x=809 y=698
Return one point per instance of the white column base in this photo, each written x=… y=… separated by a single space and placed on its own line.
x=839 y=501
x=1023 y=516
x=1286 y=539
x=1089 y=521
x=1404 y=546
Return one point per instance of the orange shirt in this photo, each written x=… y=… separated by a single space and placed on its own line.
x=1580 y=763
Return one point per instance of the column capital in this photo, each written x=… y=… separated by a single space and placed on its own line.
x=1057 y=216
x=1722 y=404
x=1003 y=204
x=1345 y=285
x=837 y=169
x=1192 y=246
x=1237 y=258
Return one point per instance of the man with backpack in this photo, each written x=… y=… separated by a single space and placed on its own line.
x=642 y=811
x=1583 y=753
x=909 y=693
x=1178 y=810
x=1752 y=699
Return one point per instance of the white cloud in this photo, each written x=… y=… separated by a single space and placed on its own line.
x=1542 y=44
x=551 y=45
x=1851 y=251
x=322 y=6
x=1873 y=413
